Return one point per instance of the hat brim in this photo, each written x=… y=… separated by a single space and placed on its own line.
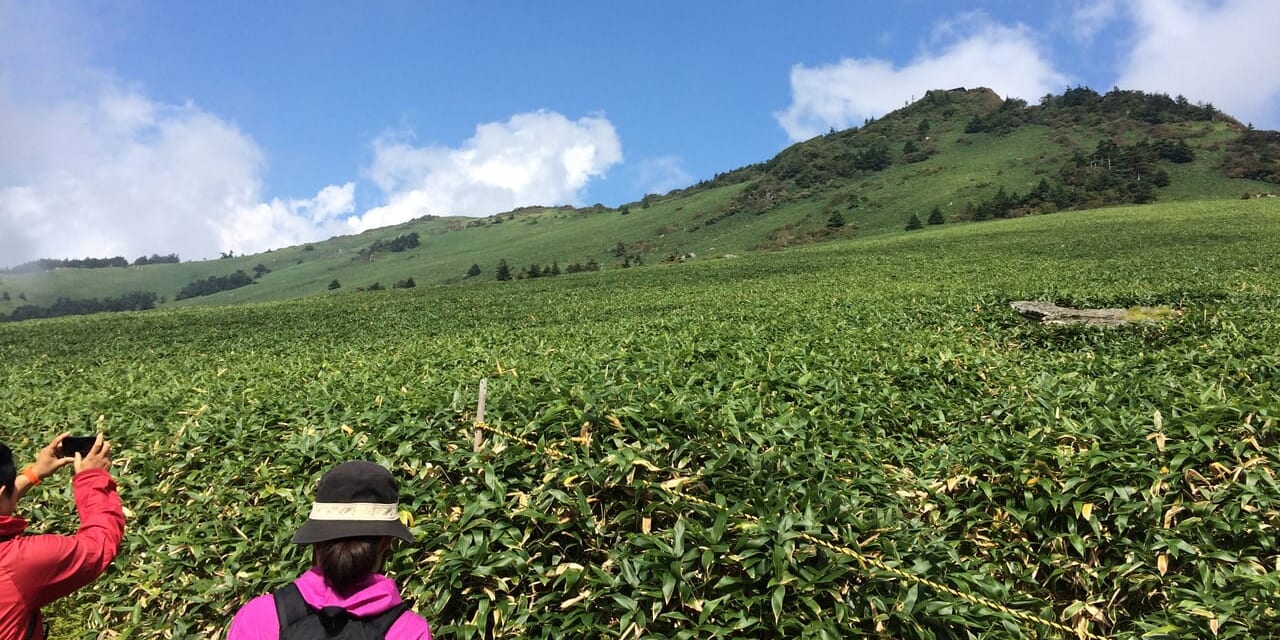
x=313 y=531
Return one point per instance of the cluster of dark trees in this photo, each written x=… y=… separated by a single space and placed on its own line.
x=139 y=301
x=1112 y=174
x=214 y=284
x=575 y=267
x=49 y=264
x=535 y=270
x=809 y=165
x=922 y=146
x=628 y=259
x=1254 y=155
x=935 y=217
x=394 y=245
x=1151 y=108
x=156 y=258
x=406 y=283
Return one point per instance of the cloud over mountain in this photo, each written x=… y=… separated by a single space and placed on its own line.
x=1226 y=53
x=540 y=157
x=970 y=51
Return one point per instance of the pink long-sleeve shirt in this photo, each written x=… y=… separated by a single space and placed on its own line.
x=257 y=620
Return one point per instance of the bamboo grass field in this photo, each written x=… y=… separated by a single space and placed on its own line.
x=877 y=394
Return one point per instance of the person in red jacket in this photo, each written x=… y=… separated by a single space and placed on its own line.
x=35 y=570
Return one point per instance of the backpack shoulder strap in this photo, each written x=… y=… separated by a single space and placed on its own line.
x=290 y=607
x=383 y=622
x=31 y=627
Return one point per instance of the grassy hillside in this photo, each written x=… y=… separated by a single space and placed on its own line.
x=876 y=395
x=968 y=146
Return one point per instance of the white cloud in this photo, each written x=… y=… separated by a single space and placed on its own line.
x=1226 y=53
x=974 y=52
x=533 y=158
x=92 y=167
x=660 y=175
x=1088 y=17
x=288 y=222
x=119 y=174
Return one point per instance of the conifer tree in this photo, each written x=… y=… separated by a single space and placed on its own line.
x=913 y=223
x=503 y=272
x=936 y=217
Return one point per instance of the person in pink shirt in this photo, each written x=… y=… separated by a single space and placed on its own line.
x=352 y=523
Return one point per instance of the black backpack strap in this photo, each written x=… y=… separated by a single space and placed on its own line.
x=383 y=622
x=290 y=607
x=31 y=627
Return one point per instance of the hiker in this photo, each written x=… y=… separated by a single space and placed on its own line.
x=352 y=522
x=37 y=569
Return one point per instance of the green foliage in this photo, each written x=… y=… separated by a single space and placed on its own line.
x=1112 y=174
x=156 y=258
x=913 y=223
x=936 y=217
x=334 y=284
x=395 y=245
x=503 y=272
x=214 y=284
x=1254 y=155
x=875 y=393
x=137 y=301
x=835 y=220
x=48 y=264
x=473 y=271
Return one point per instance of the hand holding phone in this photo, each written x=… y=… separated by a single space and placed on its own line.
x=98 y=455
x=71 y=445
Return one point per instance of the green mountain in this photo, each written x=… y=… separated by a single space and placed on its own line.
x=953 y=156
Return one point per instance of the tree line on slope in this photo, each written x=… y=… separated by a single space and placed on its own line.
x=49 y=264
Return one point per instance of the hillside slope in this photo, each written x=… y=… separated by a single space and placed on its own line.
x=875 y=394
x=964 y=153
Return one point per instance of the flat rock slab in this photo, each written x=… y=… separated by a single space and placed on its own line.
x=1049 y=313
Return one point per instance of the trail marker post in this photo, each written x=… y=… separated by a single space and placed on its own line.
x=479 y=433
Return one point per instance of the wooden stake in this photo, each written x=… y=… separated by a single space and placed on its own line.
x=484 y=393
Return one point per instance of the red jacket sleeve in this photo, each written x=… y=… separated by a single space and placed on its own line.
x=62 y=564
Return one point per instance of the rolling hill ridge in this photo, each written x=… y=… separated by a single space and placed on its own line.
x=959 y=155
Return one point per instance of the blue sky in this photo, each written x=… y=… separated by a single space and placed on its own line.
x=138 y=127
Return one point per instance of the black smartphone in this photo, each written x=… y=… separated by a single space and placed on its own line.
x=71 y=445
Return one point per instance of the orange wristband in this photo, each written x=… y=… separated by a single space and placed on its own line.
x=31 y=475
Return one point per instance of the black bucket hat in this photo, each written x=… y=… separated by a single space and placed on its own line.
x=354 y=499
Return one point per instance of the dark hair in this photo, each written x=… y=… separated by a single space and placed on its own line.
x=8 y=473
x=347 y=563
